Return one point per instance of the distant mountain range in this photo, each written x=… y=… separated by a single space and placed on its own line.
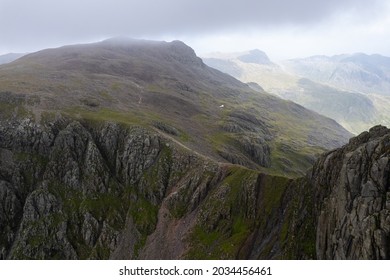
x=352 y=89
x=368 y=74
x=7 y=58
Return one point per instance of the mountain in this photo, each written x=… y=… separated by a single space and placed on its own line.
x=304 y=82
x=368 y=74
x=272 y=75
x=7 y=58
x=165 y=86
x=122 y=150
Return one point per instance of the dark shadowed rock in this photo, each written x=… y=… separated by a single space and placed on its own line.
x=354 y=219
x=73 y=190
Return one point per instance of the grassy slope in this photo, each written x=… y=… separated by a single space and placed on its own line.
x=137 y=82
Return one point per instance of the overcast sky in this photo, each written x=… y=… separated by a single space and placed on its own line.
x=281 y=28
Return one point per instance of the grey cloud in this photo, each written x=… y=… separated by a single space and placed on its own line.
x=41 y=21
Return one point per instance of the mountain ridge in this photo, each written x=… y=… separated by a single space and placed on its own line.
x=308 y=84
x=368 y=74
x=146 y=82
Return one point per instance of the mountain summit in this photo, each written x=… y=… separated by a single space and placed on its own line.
x=166 y=86
x=255 y=56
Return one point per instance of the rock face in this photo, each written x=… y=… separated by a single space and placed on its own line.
x=81 y=190
x=354 y=219
x=64 y=187
x=71 y=190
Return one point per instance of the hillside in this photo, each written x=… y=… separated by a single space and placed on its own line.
x=304 y=82
x=165 y=86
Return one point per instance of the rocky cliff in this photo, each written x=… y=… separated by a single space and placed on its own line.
x=353 y=187
x=78 y=190
x=73 y=190
x=347 y=201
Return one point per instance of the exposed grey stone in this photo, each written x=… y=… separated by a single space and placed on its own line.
x=74 y=190
x=353 y=223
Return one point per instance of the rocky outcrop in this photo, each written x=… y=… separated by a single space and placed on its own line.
x=252 y=138
x=353 y=185
x=72 y=189
x=66 y=189
x=99 y=190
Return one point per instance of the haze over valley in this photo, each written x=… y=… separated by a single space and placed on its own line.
x=352 y=89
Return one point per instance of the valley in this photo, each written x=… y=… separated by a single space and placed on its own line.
x=347 y=88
